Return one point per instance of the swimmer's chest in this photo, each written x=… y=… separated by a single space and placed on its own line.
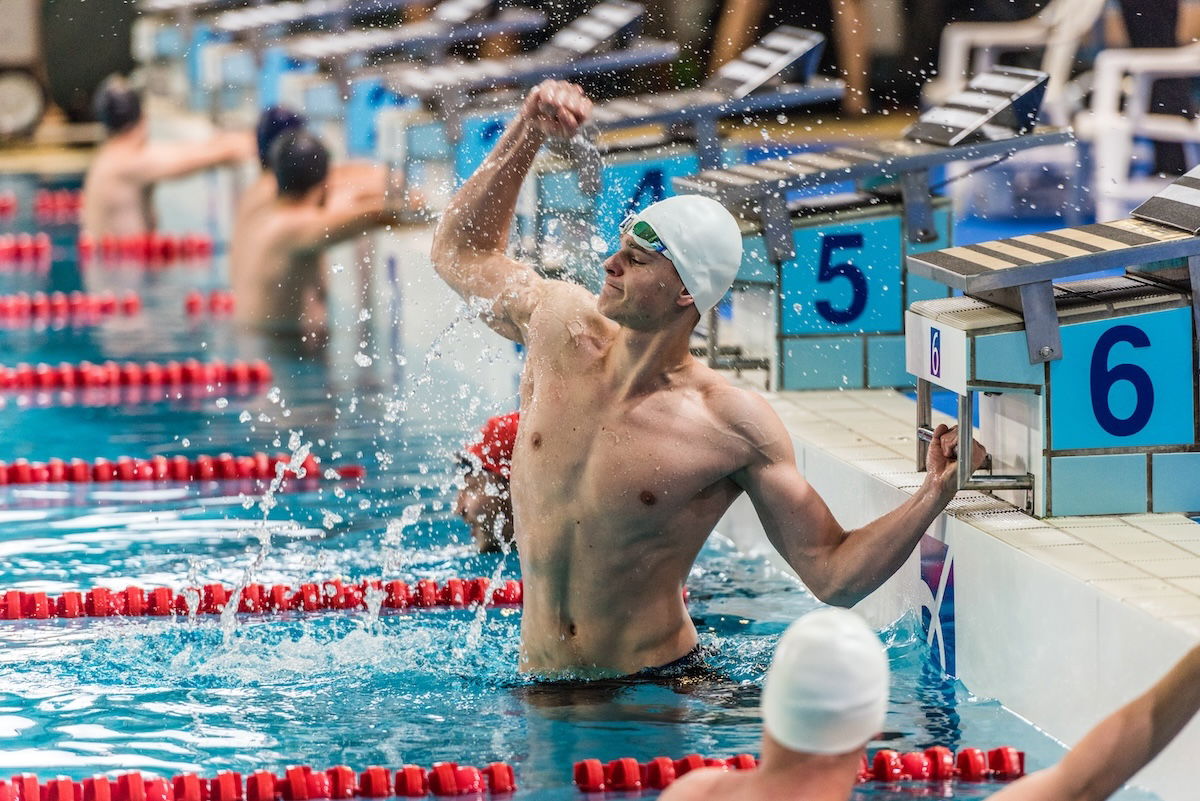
x=646 y=460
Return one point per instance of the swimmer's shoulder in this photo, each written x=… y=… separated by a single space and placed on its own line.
x=741 y=411
x=705 y=784
x=564 y=311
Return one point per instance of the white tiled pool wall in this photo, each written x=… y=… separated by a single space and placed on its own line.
x=1062 y=619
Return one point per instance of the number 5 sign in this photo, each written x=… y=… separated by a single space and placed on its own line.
x=845 y=278
x=1124 y=382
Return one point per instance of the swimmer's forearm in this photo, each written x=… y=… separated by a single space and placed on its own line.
x=1111 y=753
x=868 y=556
x=480 y=214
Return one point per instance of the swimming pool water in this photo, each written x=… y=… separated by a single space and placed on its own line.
x=165 y=696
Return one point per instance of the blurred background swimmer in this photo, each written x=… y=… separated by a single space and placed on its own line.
x=118 y=187
x=825 y=698
x=276 y=268
x=484 y=501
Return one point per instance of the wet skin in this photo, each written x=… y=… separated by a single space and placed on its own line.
x=629 y=449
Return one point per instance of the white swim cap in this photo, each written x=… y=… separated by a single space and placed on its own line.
x=703 y=242
x=827 y=689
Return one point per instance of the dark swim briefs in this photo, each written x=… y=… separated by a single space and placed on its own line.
x=693 y=664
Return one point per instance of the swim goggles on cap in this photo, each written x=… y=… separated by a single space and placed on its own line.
x=643 y=234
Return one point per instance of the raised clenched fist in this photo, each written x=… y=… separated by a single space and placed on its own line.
x=557 y=108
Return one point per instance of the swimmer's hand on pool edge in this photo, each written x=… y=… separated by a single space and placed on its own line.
x=941 y=461
x=557 y=108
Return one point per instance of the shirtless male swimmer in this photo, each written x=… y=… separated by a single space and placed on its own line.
x=118 y=187
x=826 y=695
x=629 y=449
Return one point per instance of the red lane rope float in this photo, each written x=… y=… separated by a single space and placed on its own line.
x=59 y=205
x=297 y=783
x=25 y=249
x=131 y=374
x=78 y=307
x=8 y=204
x=934 y=764
x=220 y=301
x=222 y=467
x=149 y=248
x=211 y=599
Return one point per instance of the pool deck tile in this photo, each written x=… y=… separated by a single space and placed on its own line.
x=1149 y=561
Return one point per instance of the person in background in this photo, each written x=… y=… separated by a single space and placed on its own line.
x=740 y=22
x=276 y=266
x=273 y=122
x=825 y=696
x=1154 y=23
x=484 y=502
x=119 y=185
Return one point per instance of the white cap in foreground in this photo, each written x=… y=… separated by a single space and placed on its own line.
x=703 y=242
x=827 y=689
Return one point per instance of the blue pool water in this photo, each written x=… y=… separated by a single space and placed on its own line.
x=166 y=696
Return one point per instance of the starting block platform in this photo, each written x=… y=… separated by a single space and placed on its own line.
x=821 y=296
x=467 y=105
x=1089 y=386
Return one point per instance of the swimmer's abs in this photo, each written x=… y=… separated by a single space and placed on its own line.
x=607 y=639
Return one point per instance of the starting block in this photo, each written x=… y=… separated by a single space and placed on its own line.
x=468 y=105
x=821 y=296
x=1089 y=387
x=597 y=182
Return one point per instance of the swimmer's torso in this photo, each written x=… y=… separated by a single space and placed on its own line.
x=278 y=287
x=613 y=498
x=115 y=202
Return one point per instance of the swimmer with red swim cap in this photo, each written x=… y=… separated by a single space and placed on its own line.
x=630 y=449
x=117 y=190
x=825 y=697
x=484 y=502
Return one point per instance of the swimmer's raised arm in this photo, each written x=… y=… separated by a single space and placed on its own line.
x=337 y=222
x=163 y=160
x=472 y=237
x=1120 y=745
x=840 y=567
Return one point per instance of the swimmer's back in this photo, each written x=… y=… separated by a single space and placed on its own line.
x=115 y=201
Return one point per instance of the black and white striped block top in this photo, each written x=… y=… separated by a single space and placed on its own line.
x=997 y=104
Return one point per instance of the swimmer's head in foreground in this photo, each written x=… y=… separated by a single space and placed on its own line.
x=824 y=700
x=272 y=123
x=677 y=255
x=117 y=105
x=300 y=163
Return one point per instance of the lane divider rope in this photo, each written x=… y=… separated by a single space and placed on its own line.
x=933 y=764
x=297 y=783
x=68 y=375
x=211 y=599
x=222 y=467
x=59 y=205
x=220 y=301
x=25 y=248
x=78 y=307
x=149 y=248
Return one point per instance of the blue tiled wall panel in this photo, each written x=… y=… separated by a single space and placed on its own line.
x=1106 y=484
x=821 y=362
x=1176 y=482
x=885 y=362
x=1005 y=357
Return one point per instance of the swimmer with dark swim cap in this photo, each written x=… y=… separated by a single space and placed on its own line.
x=484 y=502
x=275 y=254
x=117 y=188
x=825 y=697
